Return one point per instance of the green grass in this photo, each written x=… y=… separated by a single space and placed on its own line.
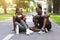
x=55 y=18
x=10 y=14
x=4 y=17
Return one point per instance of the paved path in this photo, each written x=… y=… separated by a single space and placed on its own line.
x=6 y=32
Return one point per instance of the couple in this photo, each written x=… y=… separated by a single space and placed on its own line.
x=41 y=21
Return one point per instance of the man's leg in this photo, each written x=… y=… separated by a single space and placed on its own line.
x=44 y=23
x=48 y=26
x=35 y=21
x=43 y=30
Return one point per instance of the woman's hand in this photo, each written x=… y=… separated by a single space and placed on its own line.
x=24 y=18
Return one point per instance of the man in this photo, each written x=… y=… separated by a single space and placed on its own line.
x=41 y=20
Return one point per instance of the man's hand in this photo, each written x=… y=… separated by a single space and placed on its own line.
x=46 y=15
x=37 y=16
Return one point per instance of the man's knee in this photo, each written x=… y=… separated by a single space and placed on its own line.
x=34 y=19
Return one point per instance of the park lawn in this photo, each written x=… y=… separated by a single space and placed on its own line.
x=4 y=17
x=56 y=18
x=9 y=15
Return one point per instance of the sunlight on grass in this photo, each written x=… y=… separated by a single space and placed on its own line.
x=4 y=17
x=56 y=19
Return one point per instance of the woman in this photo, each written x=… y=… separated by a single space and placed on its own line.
x=20 y=19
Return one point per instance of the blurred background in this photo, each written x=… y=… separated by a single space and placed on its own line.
x=7 y=7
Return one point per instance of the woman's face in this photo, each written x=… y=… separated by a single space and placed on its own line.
x=19 y=11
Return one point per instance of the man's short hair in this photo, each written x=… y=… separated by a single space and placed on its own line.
x=39 y=6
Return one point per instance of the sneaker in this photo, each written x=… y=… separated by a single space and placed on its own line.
x=46 y=30
x=41 y=32
x=28 y=31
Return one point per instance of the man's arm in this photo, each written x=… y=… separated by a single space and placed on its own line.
x=45 y=15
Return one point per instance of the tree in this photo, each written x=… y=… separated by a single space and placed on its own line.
x=49 y=5
x=23 y=3
x=56 y=6
x=3 y=3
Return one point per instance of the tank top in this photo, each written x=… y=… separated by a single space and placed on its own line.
x=41 y=19
x=18 y=18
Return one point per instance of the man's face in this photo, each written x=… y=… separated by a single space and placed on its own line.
x=38 y=10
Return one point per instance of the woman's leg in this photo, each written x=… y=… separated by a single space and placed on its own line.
x=28 y=31
x=23 y=24
x=20 y=26
x=14 y=18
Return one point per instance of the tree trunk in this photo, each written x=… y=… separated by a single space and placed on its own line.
x=49 y=5
x=59 y=9
x=5 y=10
x=17 y=3
x=56 y=6
x=5 y=7
x=55 y=9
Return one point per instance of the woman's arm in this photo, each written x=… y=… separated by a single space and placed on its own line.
x=14 y=19
x=24 y=18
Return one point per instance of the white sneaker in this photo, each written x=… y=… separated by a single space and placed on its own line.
x=28 y=31
x=46 y=30
x=41 y=32
x=42 y=28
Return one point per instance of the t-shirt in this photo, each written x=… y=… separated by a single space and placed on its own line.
x=41 y=13
x=40 y=20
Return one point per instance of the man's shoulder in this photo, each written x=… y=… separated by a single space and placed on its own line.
x=34 y=13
